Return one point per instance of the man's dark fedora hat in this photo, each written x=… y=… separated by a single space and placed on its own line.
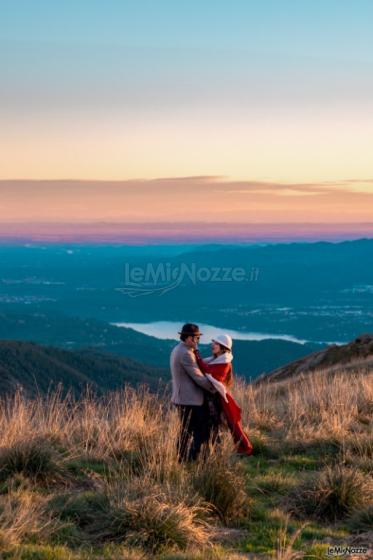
x=190 y=329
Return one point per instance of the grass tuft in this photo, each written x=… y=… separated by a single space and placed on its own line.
x=34 y=459
x=220 y=479
x=332 y=493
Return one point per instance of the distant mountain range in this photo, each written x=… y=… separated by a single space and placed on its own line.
x=38 y=369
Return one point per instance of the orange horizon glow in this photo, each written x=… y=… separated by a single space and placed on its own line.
x=113 y=146
x=180 y=199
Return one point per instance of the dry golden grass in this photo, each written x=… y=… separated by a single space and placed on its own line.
x=22 y=516
x=143 y=496
x=285 y=542
x=321 y=405
x=317 y=406
x=121 y=450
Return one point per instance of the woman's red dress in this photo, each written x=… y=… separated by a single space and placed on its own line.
x=231 y=409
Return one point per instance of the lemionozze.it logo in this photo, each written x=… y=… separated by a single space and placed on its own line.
x=160 y=278
x=338 y=550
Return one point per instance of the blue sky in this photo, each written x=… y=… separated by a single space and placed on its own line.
x=270 y=90
x=340 y=29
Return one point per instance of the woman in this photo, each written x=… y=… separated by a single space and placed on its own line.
x=219 y=367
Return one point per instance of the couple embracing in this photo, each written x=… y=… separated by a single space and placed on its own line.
x=201 y=393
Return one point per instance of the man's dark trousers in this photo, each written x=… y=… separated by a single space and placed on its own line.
x=194 y=430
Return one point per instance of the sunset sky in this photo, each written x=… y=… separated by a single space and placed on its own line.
x=164 y=110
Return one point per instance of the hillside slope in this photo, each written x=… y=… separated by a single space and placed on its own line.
x=38 y=368
x=102 y=480
x=355 y=354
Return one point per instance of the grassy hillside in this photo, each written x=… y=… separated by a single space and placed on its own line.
x=38 y=369
x=357 y=354
x=100 y=479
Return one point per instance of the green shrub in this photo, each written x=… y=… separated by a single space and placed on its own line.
x=154 y=523
x=34 y=459
x=331 y=493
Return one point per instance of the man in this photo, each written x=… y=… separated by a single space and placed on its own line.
x=188 y=394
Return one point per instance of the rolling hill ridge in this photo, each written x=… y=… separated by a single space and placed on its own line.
x=357 y=354
x=37 y=369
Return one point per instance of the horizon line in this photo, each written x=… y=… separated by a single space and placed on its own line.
x=150 y=233
x=206 y=176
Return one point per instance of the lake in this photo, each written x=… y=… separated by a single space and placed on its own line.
x=169 y=330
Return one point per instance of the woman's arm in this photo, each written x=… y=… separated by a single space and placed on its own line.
x=219 y=371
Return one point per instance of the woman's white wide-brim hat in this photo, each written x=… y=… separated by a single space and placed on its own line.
x=225 y=340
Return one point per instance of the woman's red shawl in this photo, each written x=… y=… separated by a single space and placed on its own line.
x=231 y=409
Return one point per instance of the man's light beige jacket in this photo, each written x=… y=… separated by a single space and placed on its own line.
x=188 y=382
